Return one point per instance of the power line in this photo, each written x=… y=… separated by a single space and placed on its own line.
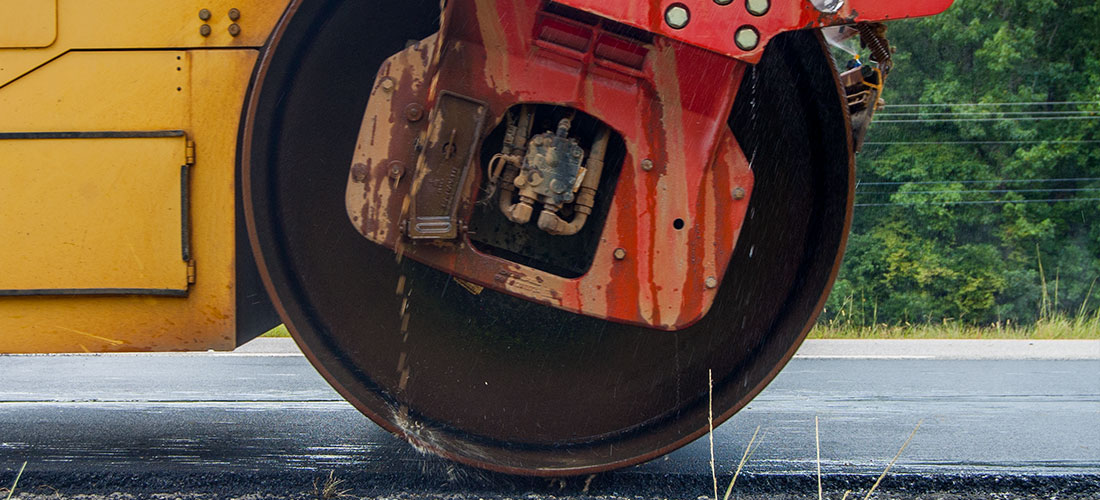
x=976 y=181
x=1022 y=119
x=990 y=113
x=963 y=191
x=988 y=202
x=1031 y=103
x=1065 y=141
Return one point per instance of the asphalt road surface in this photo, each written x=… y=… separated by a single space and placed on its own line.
x=997 y=418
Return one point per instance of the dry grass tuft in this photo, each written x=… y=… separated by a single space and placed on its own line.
x=329 y=488
x=11 y=491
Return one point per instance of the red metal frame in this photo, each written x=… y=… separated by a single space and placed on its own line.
x=712 y=25
x=673 y=114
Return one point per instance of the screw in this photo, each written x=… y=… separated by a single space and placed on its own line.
x=204 y=15
x=386 y=84
x=414 y=112
x=397 y=169
x=757 y=7
x=234 y=14
x=204 y=30
x=738 y=193
x=234 y=29
x=620 y=254
x=647 y=164
x=711 y=282
x=746 y=38
x=677 y=16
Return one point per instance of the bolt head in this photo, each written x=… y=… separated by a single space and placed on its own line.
x=386 y=84
x=711 y=282
x=234 y=29
x=359 y=172
x=739 y=193
x=204 y=30
x=234 y=14
x=746 y=38
x=677 y=16
x=620 y=253
x=414 y=112
x=397 y=169
x=204 y=14
x=647 y=165
x=757 y=7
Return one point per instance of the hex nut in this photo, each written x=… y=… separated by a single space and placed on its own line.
x=234 y=14
x=738 y=193
x=397 y=169
x=359 y=172
x=723 y=2
x=620 y=253
x=234 y=29
x=386 y=84
x=746 y=38
x=647 y=164
x=758 y=7
x=204 y=14
x=711 y=282
x=677 y=16
x=204 y=30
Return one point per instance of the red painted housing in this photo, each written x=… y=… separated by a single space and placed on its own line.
x=713 y=26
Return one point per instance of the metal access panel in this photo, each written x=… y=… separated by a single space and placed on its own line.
x=94 y=213
x=28 y=24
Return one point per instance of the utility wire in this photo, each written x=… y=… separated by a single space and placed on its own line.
x=1031 y=103
x=989 y=202
x=1022 y=119
x=991 y=113
x=1065 y=141
x=966 y=191
x=977 y=181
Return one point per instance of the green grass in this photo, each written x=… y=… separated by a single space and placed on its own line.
x=278 y=331
x=1056 y=327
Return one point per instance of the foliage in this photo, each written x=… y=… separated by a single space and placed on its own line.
x=921 y=250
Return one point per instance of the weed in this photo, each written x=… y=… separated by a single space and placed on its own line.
x=329 y=488
x=11 y=491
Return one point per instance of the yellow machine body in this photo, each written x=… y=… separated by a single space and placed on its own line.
x=118 y=146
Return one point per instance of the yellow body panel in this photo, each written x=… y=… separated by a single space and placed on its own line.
x=103 y=205
x=32 y=24
x=137 y=24
x=117 y=225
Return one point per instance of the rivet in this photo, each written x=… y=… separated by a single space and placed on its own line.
x=738 y=193
x=723 y=2
x=711 y=282
x=234 y=14
x=386 y=84
x=757 y=7
x=204 y=30
x=414 y=112
x=620 y=253
x=204 y=14
x=677 y=16
x=234 y=29
x=746 y=38
x=647 y=164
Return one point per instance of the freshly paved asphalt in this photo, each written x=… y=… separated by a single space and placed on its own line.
x=1033 y=411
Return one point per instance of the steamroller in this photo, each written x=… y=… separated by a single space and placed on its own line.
x=541 y=238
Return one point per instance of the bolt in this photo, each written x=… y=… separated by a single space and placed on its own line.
x=647 y=164
x=711 y=282
x=414 y=112
x=397 y=169
x=358 y=172
x=738 y=193
x=204 y=15
x=234 y=14
x=746 y=38
x=234 y=29
x=677 y=16
x=204 y=30
x=757 y=7
x=620 y=253
x=557 y=186
x=386 y=84
x=723 y=2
